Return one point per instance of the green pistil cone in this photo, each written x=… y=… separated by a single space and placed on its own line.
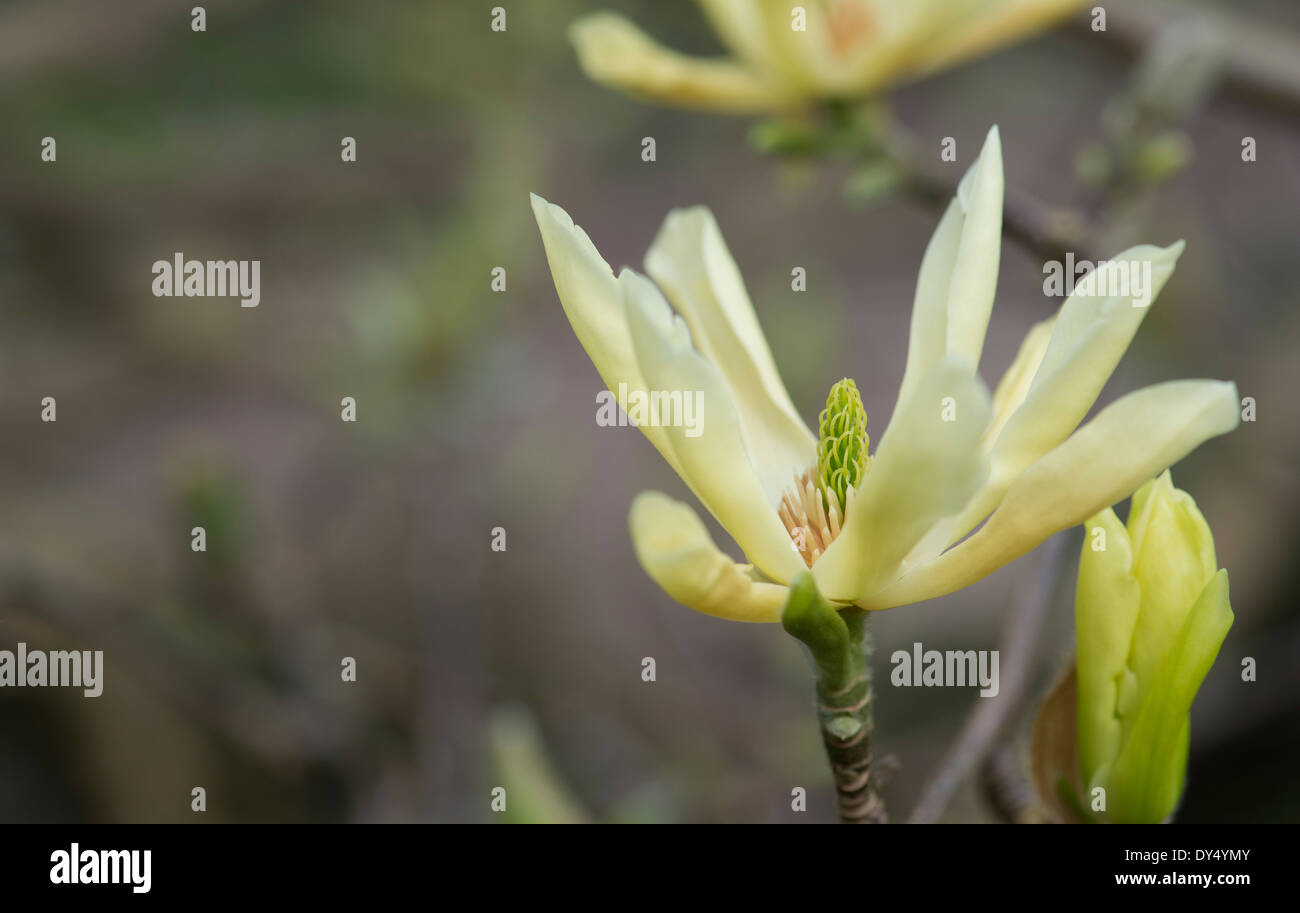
x=842 y=442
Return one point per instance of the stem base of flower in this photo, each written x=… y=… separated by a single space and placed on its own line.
x=838 y=647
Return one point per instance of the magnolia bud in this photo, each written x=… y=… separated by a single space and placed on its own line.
x=1151 y=612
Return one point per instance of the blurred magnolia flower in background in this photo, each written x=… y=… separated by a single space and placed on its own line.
x=876 y=531
x=786 y=54
x=1151 y=612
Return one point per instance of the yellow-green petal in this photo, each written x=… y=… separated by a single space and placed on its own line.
x=616 y=53
x=593 y=302
x=927 y=466
x=713 y=456
x=1146 y=780
x=1173 y=560
x=855 y=48
x=739 y=26
x=1106 y=605
x=1091 y=333
x=677 y=552
x=1093 y=327
x=691 y=263
x=1014 y=385
x=959 y=272
x=975 y=271
x=1103 y=462
x=927 y=340
x=997 y=24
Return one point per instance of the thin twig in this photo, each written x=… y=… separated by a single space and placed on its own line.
x=989 y=719
x=1044 y=231
x=869 y=135
x=1262 y=62
x=1008 y=788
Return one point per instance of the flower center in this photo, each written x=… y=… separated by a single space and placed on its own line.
x=842 y=442
x=812 y=520
x=849 y=23
x=814 y=508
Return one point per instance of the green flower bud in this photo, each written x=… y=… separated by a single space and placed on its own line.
x=1151 y=612
x=842 y=458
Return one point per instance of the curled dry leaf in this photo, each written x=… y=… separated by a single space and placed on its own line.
x=1054 y=755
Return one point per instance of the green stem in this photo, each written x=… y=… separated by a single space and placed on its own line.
x=838 y=648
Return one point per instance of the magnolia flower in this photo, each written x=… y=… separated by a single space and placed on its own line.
x=787 y=54
x=878 y=534
x=1151 y=612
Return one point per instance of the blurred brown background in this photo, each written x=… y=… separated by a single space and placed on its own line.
x=476 y=410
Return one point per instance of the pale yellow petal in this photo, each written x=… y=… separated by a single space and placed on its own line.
x=959 y=272
x=593 y=302
x=928 y=465
x=739 y=25
x=927 y=340
x=1014 y=385
x=995 y=25
x=1103 y=462
x=1092 y=332
x=1094 y=327
x=677 y=552
x=616 y=53
x=690 y=262
x=975 y=271
x=712 y=455
x=853 y=47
